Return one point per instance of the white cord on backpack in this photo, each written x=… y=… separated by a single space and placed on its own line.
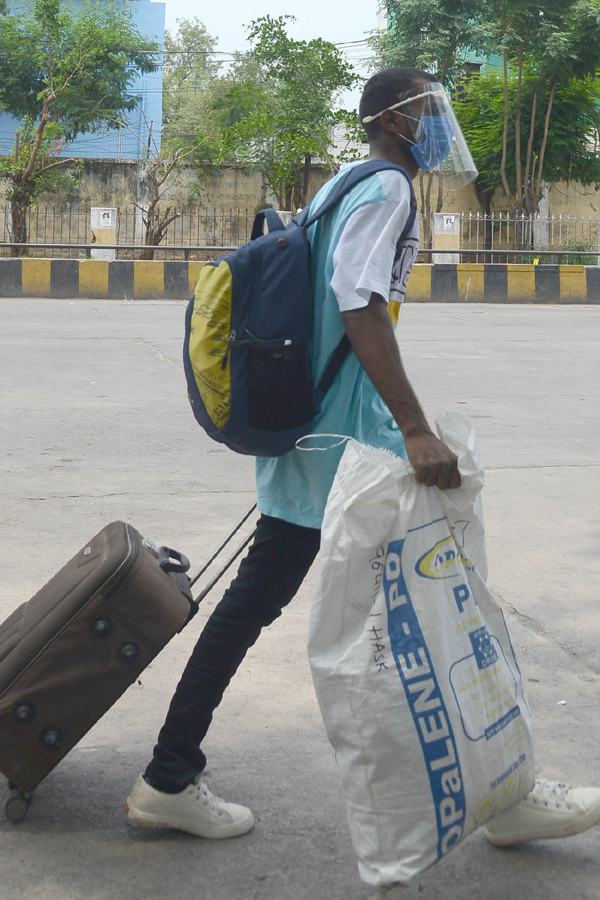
x=340 y=439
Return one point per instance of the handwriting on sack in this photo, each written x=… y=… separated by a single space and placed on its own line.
x=377 y=638
x=426 y=703
x=377 y=563
x=377 y=630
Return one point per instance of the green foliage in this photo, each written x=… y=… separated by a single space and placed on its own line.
x=533 y=120
x=572 y=146
x=85 y=58
x=190 y=89
x=63 y=71
x=575 y=260
x=430 y=35
x=46 y=176
x=281 y=106
x=274 y=109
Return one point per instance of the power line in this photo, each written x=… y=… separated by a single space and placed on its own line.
x=230 y=53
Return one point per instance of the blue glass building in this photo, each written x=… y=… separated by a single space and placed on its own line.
x=149 y=18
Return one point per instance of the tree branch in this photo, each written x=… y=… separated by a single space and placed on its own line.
x=56 y=165
x=538 y=183
x=48 y=100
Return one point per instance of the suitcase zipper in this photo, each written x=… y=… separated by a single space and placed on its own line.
x=123 y=571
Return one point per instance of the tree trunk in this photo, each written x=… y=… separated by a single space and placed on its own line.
x=150 y=220
x=428 y=206
x=528 y=179
x=425 y=212
x=519 y=185
x=505 y=184
x=305 y=181
x=538 y=182
x=440 y=193
x=484 y=198
x=19 y=207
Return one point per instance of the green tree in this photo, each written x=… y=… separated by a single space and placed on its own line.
x=282 y=106
x=63 y=71
x=160 y=172
x=33 y=169
x=548 y=49
x=430 y=35
x=190 y=89
x=572 y=141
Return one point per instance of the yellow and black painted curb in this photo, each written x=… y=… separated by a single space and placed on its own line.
x=176 y=280
x=96 y=278
x=496 y=283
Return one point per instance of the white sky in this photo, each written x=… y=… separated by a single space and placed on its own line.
x=333 y=20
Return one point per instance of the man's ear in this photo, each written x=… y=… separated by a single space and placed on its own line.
x=394 y=123
x=391 y=122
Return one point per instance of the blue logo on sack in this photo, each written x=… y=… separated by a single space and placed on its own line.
x=484 y=650
x=426 y=703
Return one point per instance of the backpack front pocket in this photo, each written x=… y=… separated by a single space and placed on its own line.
x=280 y=389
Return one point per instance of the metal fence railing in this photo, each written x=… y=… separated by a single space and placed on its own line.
x=575 y=238
x=193 y=226
x=498 y=237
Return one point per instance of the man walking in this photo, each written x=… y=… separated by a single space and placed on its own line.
x=361 y=256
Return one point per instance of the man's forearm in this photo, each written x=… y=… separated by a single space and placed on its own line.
x=372 y=338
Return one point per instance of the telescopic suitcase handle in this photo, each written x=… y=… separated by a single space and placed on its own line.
x=176 y=563
x=228 y=562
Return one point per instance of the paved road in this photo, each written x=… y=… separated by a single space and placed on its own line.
x=95 y=426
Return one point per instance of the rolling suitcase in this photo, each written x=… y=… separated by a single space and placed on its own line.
x=68 y=654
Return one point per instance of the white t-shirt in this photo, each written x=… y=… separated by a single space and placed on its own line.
x=356 y=250
x=368 y=258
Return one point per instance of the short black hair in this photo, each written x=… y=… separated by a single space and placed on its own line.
x=382 y=89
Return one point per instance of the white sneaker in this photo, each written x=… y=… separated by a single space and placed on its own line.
x=550 y=810
x=195 y=810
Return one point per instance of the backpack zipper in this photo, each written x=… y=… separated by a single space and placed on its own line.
x=287 y=342
x=233 y=342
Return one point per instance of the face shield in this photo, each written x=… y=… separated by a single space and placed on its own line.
x=437 y=142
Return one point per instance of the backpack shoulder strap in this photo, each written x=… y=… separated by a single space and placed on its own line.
x=353 y=176
x=343 y=348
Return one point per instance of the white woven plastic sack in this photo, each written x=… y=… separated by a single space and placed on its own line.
x=415 y=672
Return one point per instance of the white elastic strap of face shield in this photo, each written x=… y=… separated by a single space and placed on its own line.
x=403 y=102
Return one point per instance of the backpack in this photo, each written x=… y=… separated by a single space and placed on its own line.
x=248 y=333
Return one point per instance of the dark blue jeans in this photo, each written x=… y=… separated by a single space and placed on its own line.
x=268 y=578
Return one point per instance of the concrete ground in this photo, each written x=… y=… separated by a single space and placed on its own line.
x=95 y=426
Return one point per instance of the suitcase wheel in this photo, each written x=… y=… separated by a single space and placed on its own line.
x=16 y=805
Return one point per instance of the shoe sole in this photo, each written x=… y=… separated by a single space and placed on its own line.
x=586 y=821
x=149 y=821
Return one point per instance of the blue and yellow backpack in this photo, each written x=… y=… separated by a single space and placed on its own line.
x=249 y=329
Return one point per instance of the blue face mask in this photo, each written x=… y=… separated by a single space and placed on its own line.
x=432 y=152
